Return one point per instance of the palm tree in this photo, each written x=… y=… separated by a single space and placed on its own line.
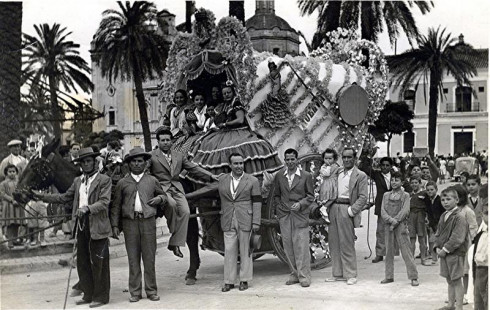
x=127 y=48
x=435 y=54
x=369 y=15
x=51 y=58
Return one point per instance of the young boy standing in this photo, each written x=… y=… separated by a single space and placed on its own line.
x=434 y=213
x=395 y=209
x=451 y=244
x=480 y=262
x=473 y=187
x=419 y=202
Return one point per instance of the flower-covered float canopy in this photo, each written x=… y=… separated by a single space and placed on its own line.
x=327 y=99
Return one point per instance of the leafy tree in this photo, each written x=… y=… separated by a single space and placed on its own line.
x=394 y=119
x=435 y=54
x=127 y=48
x=50 y=57
x=367 y=15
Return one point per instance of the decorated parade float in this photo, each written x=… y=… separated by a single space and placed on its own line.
x=309 y=103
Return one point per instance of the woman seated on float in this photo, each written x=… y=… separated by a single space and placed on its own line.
x=178 y=112
x=211 y=151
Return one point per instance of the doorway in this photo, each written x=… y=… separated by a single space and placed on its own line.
x=463 y=143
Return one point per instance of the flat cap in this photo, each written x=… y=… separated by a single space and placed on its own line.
x=14 y=142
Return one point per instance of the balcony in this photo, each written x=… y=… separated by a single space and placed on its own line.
x=462 y=108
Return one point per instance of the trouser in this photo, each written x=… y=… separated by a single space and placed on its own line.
x=341 y=242
x=193 y=244
x=417 y=229
x=178 y=218
x=400 y=233
x=236 y=238
x=380 y=237
x=481 y=288
x=141 y=243
x=93 y=264
x=296 y=243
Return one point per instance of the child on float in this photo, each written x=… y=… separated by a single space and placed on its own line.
x=451 y=245
x=199 y=111
x=395 y=209
x=327 y=192
x=419 y=202
x=10 y=208
x=470 y=219
x=434 y=212
x=480 y=261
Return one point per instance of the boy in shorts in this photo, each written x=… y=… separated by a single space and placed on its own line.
x=452 y=240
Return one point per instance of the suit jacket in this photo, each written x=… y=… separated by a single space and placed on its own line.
x=169 y=175
x=125 y=196
x=99 y=196
x=452 y=233
x=246 y=205
x=301 y=191
x=358 y=192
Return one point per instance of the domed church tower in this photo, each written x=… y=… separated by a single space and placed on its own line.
x=269 y=32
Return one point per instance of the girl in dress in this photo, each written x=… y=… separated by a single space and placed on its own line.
x=327 y=192
x=10 y=208
x=212 y=150
x=178 y=113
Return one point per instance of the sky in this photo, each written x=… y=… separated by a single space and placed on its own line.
x=82 y=18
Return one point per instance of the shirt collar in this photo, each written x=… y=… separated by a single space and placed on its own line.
x=237 y=179
x=297 y=172
x=90 y=177
x=137 y=177
x=386 y=175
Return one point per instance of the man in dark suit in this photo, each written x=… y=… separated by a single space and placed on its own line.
x=241 y=203
x=293 y=195
x=136 y=197
x=90 y=194
x=382 y=179
x=345 y=215
x=166 y=166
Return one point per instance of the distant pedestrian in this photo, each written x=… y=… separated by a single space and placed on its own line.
x=450 y=166
x=452 y=240
x=480 y=262
x=395 y=209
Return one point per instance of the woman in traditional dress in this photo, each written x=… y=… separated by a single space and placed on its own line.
x=275 y=112
x=178 y=113
x=234 y=135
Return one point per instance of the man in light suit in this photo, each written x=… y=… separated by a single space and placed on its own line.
x=166 y=166
x=241 y=203
x=293 y=195
x=90 y=195
x=345 y=215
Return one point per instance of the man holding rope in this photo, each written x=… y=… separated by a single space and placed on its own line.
x=90 y=194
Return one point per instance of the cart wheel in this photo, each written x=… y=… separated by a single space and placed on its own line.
x=320 y=254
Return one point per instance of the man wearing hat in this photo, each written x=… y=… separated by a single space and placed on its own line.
x=90 y=194
x=136 y=198
x=166 y=166
x=13 y=159
x=241 y=202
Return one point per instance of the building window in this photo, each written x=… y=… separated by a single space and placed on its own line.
x=275 y=51
x=409 y=98
x=112 y=117
x=445 y=90
x=463 y=98
x=408 y=141
x=481 y=89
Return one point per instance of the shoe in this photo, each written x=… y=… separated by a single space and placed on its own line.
x=153 y=297
x=190 y=281
x=33 y=243
x=135 y=298
x=95 y=304
x=75 y=293
x=227 y=287
x=386 y=281
x=82 y=302
x=243 y=286
x=465 y=300
x=43 y=244
x=176 y=250
x=351 y=281
x=377 y=259
x=418 y=256
x=304 y=284
x=335 y=279
x=291 y=282
x=415 y=282
x=427 y=263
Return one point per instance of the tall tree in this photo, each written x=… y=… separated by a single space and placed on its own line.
x=435 y=55
x=128 y=47
x=52 y=58
x=394 y=119
x=368 y=15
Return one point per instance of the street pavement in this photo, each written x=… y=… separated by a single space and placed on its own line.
x=46 y=289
